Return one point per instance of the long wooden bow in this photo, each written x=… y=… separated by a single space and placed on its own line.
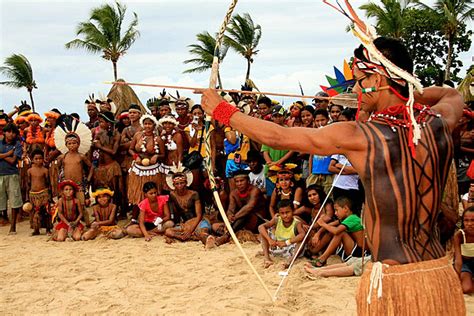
x=212 y=180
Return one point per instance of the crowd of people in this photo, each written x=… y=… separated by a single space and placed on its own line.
x=76 y=179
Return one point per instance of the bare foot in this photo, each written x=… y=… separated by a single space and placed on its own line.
x=4 y=222
x=210 y=242
x=11 y=233
x=285 y=265
x=35 y=233
x=267 y=263
x=169 y=240
x=312 y=271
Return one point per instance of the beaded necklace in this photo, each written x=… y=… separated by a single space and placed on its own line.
x=155 y=140
x=168 y=138
x=391 y=115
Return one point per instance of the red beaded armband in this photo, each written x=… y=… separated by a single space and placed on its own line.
x=223 y=112
x=135 y=156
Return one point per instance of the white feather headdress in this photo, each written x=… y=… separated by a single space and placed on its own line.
x=71 y=127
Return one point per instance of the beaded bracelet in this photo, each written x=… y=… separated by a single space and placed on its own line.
x=223 y=112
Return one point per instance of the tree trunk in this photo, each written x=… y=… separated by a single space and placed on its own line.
x=31 y=99
x=247 y=76
x=449 y=59
x=114 y=62
x=219 y=79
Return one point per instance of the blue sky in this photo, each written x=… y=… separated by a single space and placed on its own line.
x=301 y=41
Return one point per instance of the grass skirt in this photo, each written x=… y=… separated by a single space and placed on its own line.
x=137 y=177
x=105 y=176
x=422 y=288
x=54 y=177
x=40 y=217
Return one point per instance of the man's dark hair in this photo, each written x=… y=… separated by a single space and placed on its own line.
x=10 y=127
x=322 y=112
x=349 y=114
x=344 y=201
x=265 y=100
x=285 y=203
x=254 y=155
x=396 y=52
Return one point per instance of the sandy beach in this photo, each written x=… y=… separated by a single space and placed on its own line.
x=131 y=276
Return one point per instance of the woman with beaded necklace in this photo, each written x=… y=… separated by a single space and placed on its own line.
x=147 y=149
x=173 y=141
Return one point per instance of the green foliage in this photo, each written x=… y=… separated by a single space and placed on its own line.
x=204 y=53
x=102 y=33
x=428 y=33
x=243 y=37
x=390 y=17
x=17 y=69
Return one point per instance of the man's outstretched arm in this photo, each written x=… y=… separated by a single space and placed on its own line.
x=335 y=138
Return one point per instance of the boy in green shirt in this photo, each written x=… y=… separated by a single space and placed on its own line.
x=348 y=234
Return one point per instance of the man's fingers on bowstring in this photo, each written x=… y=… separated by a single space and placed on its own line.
x=198 y=91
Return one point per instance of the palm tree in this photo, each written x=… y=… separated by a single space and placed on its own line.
x=102 y=33
x=204 y=54
x=390 y=16
x=244 y=37
x=18 y=69
x=454 y=13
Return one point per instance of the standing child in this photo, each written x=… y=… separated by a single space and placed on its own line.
x=104 y=214
x=38 y=184
x=464 y=251
x=286 y=237
x=73 y=140
x=154 y=216
x=69 y=212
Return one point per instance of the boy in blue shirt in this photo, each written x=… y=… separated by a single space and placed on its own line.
x=10 y=193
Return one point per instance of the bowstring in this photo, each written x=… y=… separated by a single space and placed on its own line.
x=287 y=272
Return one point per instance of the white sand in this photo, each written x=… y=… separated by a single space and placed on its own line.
x=132 y=276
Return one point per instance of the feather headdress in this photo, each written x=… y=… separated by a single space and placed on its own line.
x=176 y=172
x=106 y=100
x=71 y=127
x=180 y=101
x=90 y=102
x=378 y=63
x=148 y=117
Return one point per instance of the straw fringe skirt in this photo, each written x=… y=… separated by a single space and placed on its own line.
x=54 y=177
x=104 y=176
x=423 y=288
x=137 y=177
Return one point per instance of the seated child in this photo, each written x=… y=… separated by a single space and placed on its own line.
x=104 y=215
x=154 y=215
x=286 y=237
x=464 y=251
x=69 y=211
x=347 y=237
x=38 y=183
